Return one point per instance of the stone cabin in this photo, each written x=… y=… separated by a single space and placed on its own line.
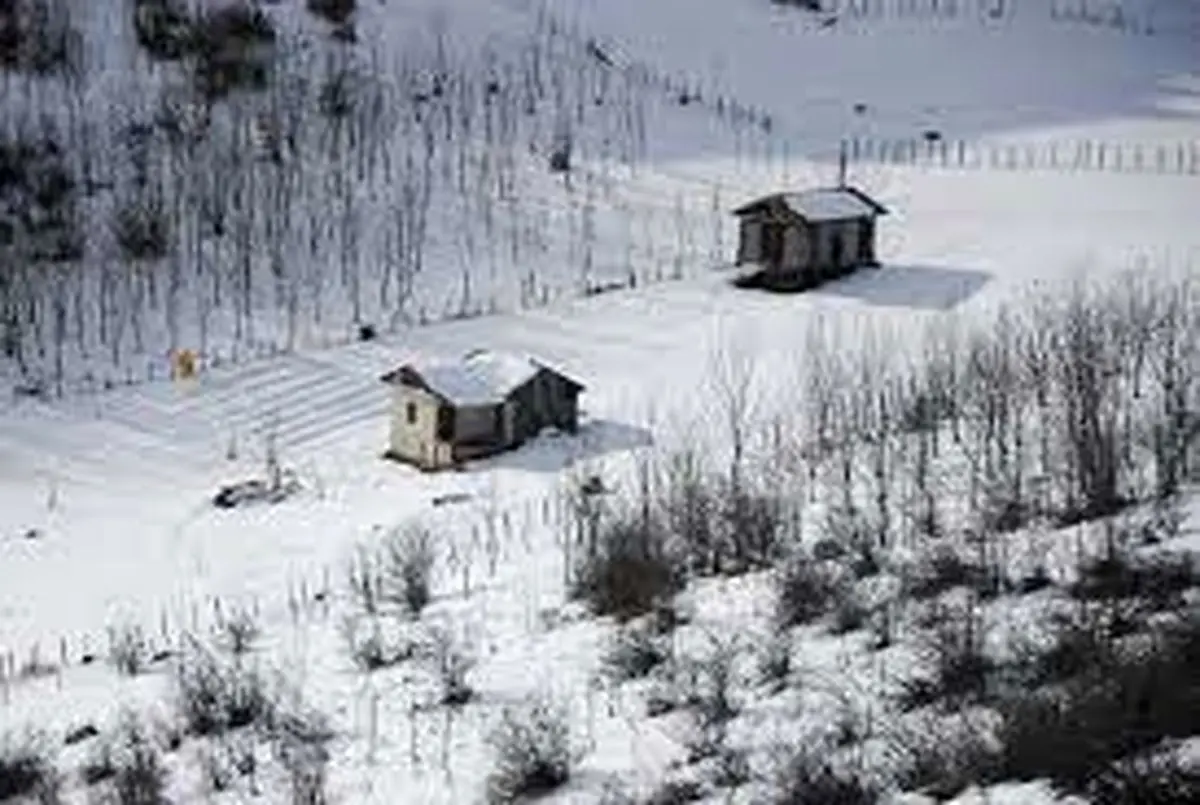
x=805 y=238
x=446 y=412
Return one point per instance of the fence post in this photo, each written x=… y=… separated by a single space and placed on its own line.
x=1100 y=156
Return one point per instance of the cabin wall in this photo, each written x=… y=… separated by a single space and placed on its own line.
x=415 y=440
x=851 y=236
x=480 y=423
x=797 y=248
x=749 y=241
x=545 y=401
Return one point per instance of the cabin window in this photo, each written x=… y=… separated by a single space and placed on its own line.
x=410 y=413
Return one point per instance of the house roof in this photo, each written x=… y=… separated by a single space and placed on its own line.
x=480 y=377
x=822 y=204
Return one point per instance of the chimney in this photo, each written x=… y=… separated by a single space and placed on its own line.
x=842 y=164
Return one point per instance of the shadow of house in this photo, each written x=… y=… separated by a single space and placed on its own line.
x=444 y=413
x=910 y=286
x=553 y=453
x=797 y=241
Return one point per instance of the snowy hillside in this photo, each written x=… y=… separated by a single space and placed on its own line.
x=927 y=533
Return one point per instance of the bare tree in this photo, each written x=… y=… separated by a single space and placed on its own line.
x=733 y=383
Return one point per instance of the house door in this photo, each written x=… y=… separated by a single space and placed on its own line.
x=866 y=243
x=772 y=244
x=837 y=250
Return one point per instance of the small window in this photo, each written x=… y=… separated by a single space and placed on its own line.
x=411 y=413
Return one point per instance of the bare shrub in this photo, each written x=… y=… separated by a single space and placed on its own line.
x=26 y=770
x=533 y=752
x=1156 y=580
x=959 y=669
x=1072 y=734
x=807 y=779
x=775 y=664
x=233 y=46
x=38 y=198
x=629 y=568
x=336 y=12
x=365 y=579
x=163 y=28
x=692 y=509
x=239 y=631
x=37 y=36
x=713 y=676
x=1082 y=642
x=214 y=697
x=676 y=792
x=850 y=614
x=336 y=98
x=941 y=759
x=942 y=570
x=139 y=777
x=300 y=736
x=754 y=532
x=142 y=231
x=731 y=767
x=372 y=646
x=128 y=648
x=807 y=590
x=100 y=764
x=634 y=652
x=408 y=561
x=452 y=664
x=1156 y=778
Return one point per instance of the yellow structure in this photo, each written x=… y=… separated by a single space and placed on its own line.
x=183 y=364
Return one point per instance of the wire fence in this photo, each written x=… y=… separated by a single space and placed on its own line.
x=1092 y=156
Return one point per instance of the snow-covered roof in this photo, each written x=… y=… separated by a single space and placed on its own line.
x=481 y=377
x=824 y=204
x=828 y=204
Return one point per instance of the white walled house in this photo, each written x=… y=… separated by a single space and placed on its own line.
x=446 y=412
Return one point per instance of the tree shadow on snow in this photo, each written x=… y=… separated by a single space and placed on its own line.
x=554 y=453
x=910 y=286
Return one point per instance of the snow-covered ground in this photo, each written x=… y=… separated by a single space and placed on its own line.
x=105 y=515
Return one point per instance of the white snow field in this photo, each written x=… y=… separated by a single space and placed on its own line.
x=106 y=522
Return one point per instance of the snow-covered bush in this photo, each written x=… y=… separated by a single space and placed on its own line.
x=629 y=567
x=806 y=778
x=26 y=769
x=373 y=643
x=139 y=777
x=408 y=561
x=128 y=648
x=452 y=663
x=533 y=752
x=1073 y=732
x=807 y=590
x=635 y=651
x=214 y=696
x=336 y=12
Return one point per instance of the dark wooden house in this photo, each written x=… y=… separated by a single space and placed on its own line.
x=802 y=239
x=447 y=412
